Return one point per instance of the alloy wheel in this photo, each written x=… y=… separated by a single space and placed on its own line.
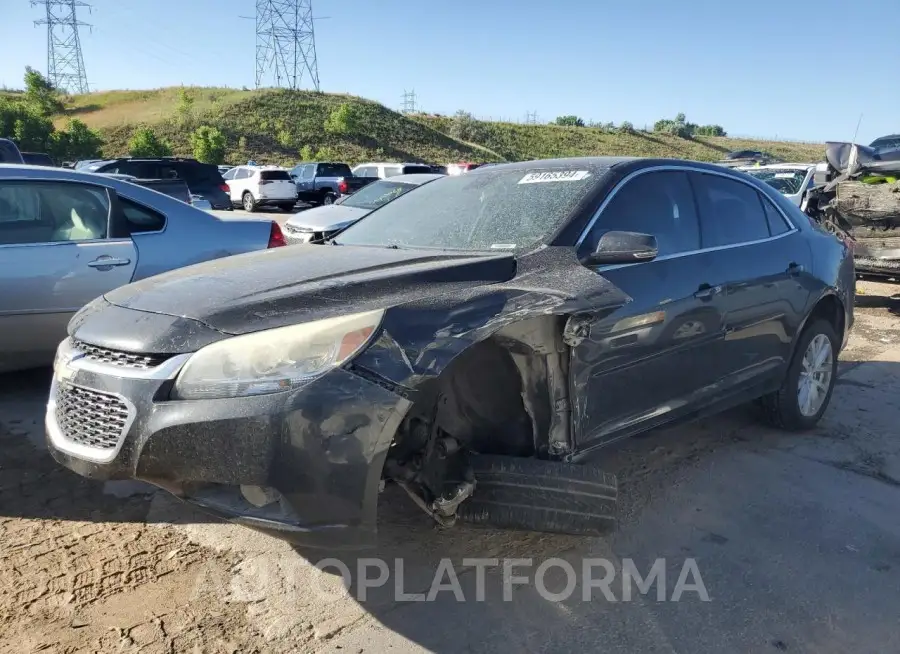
x=815 y=375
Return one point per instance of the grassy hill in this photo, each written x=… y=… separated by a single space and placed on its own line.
x=273 y=126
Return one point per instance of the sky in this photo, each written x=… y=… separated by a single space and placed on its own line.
x=764 y=68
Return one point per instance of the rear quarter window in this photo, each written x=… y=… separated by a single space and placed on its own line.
x=333 y=170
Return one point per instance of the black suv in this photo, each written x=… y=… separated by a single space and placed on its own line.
x=9 y=153
x=202 y=179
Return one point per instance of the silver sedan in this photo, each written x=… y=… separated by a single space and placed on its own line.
x=67 y=237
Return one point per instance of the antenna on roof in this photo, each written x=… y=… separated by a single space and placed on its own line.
x=858 y=123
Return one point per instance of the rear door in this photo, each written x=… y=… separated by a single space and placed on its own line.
x=765 y=261
x=55 y=257
x=649 y=360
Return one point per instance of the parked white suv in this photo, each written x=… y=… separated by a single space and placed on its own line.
x=254 y=186
x=388 y=169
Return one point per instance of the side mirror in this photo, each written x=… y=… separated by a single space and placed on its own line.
x=624 y=247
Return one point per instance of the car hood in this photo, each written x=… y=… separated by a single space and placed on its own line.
x=325 y=219
x=285 y=286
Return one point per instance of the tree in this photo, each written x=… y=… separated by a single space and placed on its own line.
x=570 y=121
x=463 y=125
x=208 y=144
x=145 y=143
x=678 y=127
x=76 y=142
x=185 y=105
x=626 y=128
x=710 y=130
x=343 y=120
x=40 y=93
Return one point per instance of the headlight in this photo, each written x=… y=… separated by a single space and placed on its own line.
x=274 y=360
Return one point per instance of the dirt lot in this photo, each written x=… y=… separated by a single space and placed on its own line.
x=795 y=536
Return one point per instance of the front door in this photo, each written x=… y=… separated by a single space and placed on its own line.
x=55 y=257
x=650 y=360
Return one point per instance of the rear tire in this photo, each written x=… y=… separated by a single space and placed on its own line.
x=782 y=409
x=248 y=202
x=547 y=496
x=329 y=198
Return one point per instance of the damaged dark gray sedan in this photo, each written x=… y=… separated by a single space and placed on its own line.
x=474 y=341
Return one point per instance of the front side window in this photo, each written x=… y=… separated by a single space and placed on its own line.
x=498 y=210
x=657 y=203
x=333 y=170
x=229 y=174
x=731 y=211
x=48 y=212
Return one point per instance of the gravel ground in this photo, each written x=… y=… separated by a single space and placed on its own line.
x=795 y=536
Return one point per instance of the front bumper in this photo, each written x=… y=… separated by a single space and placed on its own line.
x=314 y=453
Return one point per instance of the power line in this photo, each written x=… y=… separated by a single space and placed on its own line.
x=285 y=44
x=65 y=63
x=409 y=102
x=531 y=118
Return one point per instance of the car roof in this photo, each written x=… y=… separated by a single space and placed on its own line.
x=567 y=162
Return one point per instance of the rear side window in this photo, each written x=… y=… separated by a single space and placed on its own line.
x=140 y=219
x=333 y=170
x=658 y=203
x=275 y=175
x=392 y=171
x=773 y=217
x=731 y=212
x=413 y=170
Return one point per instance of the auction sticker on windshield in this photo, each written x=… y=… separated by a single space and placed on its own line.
x=555 y=176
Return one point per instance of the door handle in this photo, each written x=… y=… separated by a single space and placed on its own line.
x=108 y=262
x=706 y=292
x=794 y=269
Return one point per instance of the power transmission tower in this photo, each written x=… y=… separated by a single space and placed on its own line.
x=409 y=102
x=65 y=64
x=285 y=44
x=531 y=118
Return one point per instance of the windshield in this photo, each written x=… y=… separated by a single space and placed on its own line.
x=886 y=142
x=493 y=210
x=377 y=194
x=788 y=182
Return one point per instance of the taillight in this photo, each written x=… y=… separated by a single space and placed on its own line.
x=225 y=187
x=342 y=186
x=276 y=237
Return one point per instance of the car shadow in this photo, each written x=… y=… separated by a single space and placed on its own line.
x=34 y=486
x=740 y=499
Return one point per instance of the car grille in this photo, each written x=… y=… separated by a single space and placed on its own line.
x=118 y=357
x=89 y=417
